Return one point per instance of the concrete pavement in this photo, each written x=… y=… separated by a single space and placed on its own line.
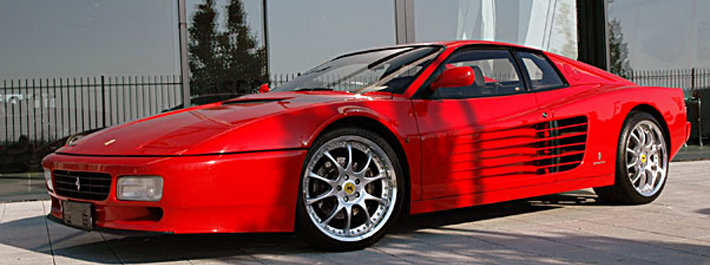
x=559 y=229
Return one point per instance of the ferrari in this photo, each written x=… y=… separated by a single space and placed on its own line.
x=341 y=152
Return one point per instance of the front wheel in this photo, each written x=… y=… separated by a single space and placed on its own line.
x=642 y=162
x=351 y=190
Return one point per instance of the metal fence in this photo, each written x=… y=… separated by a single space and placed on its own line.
x=43 y=110
x=280 y=79
x=687 y=79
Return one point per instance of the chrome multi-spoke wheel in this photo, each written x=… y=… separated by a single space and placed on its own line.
x=646 y=158
x=642 y=162
x=350 y=189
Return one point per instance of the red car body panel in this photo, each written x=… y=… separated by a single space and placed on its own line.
x=235 y=166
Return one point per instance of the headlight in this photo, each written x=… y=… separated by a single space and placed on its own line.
x=48 y=179
x=140 y=188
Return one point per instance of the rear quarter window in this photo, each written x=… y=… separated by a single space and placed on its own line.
x=541 y=72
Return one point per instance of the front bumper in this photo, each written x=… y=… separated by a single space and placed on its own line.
x=113 y=231
x=246 y=192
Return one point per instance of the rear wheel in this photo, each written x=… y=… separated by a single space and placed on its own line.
x=642 y=162
x=351 y=190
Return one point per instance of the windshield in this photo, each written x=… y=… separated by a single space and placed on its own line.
x=390 y=70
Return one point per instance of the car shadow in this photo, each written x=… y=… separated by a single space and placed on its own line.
x=244 y=248
x=704 y=211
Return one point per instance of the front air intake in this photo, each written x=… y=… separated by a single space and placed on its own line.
x=82 y=185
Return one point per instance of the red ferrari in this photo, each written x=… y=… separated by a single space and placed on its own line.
x=343 y=150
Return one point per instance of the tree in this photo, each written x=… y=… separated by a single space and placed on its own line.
x=618 y=50
x=204 y=64
x=226 y=61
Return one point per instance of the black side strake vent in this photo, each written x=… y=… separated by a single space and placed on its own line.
x=561 y=144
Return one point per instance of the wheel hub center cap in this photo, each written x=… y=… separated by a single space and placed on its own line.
x=643 y=158
x=349 y=188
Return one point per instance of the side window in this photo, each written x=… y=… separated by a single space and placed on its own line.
x=542 y=73
x=495 y=72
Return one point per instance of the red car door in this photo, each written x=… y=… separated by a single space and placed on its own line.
x=483 y=137
x=572 y=113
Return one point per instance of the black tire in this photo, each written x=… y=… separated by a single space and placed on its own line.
x=624 y=191
x=305 y=223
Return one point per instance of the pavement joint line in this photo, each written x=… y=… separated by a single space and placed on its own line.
x=2 y=214
x=251 y=256
x=49 y=236
x=162 y=240
x=662 y=246
x=377 y=249
x=519 y=249
x=331 y=260
x=433 y=246
x=113 y=250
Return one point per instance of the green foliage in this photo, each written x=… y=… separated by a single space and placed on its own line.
x=618 y=50
x=228 y=60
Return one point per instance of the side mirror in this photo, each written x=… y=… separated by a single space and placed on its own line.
x=264 y=88
x=454 y=77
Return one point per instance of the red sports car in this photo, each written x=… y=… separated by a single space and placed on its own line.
x=343 y=150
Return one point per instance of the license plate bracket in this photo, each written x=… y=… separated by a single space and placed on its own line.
x=78 y=214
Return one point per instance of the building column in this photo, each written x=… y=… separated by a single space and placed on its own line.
x=404 y=21
x=184 y=64
x=592 y=30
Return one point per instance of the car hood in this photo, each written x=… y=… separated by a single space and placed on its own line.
x=249 y=123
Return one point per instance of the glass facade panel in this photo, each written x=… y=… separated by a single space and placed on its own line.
x=549 y=25
x=659 y=35
x=303 y=33
x=73 y=38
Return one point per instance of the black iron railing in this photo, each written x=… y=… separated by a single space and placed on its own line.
x=43 y=110
x=688 y=79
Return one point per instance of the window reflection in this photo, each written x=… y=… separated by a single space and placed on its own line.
x=658 y=35
x=303 y=33
x=81 y=38
x=226 y=51
x=550 y=25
